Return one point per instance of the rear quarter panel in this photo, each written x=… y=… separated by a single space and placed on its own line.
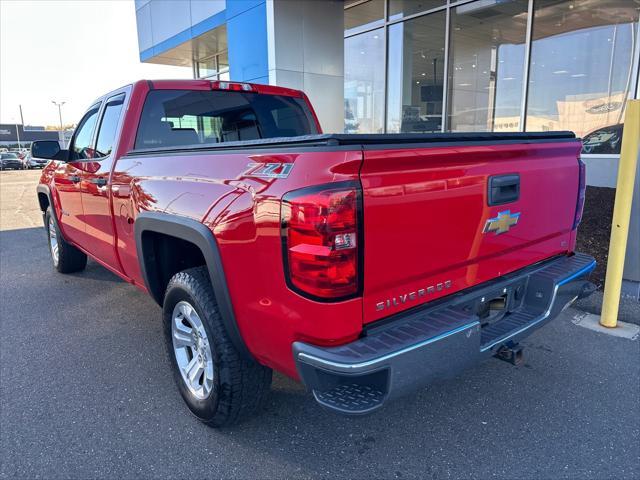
x=270 y=316
x=243 y=212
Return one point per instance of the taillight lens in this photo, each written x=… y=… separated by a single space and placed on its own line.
x=582 y=186
x=321 y=241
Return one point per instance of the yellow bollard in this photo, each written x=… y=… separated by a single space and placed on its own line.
x=621 y=214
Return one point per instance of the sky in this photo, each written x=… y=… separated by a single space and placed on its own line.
x=72 y=51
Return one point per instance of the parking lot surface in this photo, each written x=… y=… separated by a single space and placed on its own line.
x=86 y=392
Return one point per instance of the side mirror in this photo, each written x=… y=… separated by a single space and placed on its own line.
x=48 y=149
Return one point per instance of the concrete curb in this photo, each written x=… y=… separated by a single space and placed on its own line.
x=629 y=307
x=592 y=322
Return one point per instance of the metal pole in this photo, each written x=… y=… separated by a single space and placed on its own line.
x=18 y=135
x=59 y=105
x=621 y=214
x=527 y=67
x=445 y=77
x=21 y=117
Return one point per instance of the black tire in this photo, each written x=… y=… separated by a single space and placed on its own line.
x=240 y=385
x=70 y=259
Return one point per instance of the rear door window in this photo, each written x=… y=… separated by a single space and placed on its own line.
x=172 y=118
x=109 y=126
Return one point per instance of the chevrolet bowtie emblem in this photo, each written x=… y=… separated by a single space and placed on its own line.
x=502 y=223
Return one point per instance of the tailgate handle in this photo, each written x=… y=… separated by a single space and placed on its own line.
x=504 y=189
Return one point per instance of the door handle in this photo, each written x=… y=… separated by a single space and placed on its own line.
x=74 y=178
x=503 y=189
x=100 y=181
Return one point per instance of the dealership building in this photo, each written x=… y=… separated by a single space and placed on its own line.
x=390 y=66
x=20 y=136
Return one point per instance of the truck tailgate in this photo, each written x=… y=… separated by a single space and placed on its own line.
x=429 y=228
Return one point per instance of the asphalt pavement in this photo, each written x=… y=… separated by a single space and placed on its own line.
x=86 y=392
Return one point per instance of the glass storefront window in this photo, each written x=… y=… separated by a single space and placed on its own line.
x=363 y=16
x=223 y=61
x=207 y=68
x=416 y=74
x=486 y=65
x=582 y=69
x=583 y=66
x=364 y=83
x=403 y=8
x=215 y=67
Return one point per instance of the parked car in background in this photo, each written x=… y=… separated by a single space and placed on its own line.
x=24 y=158
x=10 y=160
x=33 y=162
x=604 y=141
x=17 y=151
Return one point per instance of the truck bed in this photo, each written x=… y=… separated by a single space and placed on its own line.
x=370 y=141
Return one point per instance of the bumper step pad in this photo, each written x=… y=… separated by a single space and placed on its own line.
x=351 y=398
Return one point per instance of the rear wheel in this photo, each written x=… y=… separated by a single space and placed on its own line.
x=66 y=258
x=219 y=386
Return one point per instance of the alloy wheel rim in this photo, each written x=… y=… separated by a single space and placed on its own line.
x=53 y=241
x=192 y=350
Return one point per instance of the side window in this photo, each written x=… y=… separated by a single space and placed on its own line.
x=109 y=126
x=81 y=148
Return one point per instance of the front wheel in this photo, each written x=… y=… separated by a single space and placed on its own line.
x=219 y=386
x=66 y=258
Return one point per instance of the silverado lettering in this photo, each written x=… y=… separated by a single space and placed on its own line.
x=268 y=244
x=421 y=292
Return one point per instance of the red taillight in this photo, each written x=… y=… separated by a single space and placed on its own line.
x=582 y=186
x=321 y=240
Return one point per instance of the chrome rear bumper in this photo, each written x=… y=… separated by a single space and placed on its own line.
x=410 y=350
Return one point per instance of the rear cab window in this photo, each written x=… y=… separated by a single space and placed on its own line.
x=174 y=118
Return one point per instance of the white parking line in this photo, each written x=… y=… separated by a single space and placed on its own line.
x=592 y=322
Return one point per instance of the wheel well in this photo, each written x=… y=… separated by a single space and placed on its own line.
x=167 y=244
x=164 y=256
x=43 y=200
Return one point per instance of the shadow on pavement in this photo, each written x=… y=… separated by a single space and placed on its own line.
x=87 y=392
x=27 y=245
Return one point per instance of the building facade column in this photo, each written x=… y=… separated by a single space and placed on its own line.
x=291 y=43
x=306 y=52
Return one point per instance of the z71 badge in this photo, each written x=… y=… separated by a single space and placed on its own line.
x=269 y=170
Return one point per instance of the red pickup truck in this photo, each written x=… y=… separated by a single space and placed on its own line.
x=365 y=266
